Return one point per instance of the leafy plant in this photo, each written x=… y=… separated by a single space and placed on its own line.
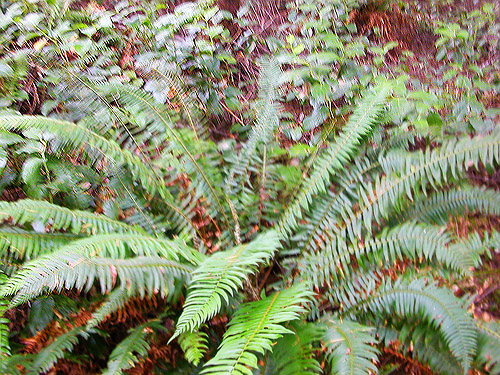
x=248 y=255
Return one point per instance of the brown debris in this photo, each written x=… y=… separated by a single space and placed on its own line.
x=392 y=25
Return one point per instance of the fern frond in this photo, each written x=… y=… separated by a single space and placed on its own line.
x=115 y=301
x=78 y=222
x=295 y=354
x=437 y=207
x=350 y=348
x=488 y=352
x=122 y=245
x=254 y=328
x=48 y=356
x=220 y=276
x=379 y=198
x=438 y=305
x=204 y=186
x=336 y=155
x=194 y=345
x=66 y=270
x=14 y=363
x=129 y=351
x=29 y=245
x=265 y=125
x=420 y=342
x=326 y=210
x=77 y=135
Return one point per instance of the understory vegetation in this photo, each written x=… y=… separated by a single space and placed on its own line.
x=222 y=187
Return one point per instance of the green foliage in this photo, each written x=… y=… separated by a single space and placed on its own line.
x=253 y=329
x=46 y=359
x=129 y=351
x=350 y=348
x=155 y=184
x=217 y=279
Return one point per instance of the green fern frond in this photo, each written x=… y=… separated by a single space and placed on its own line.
x=115 y=301
x=350 y=348
x=203 y=184
x=77 y=135
x=438 y=305
x=327 y=209
x=194 y=345
x=122 y=245
x=437 y=207
x=14 y=363
x=48 y=356
x=78 y=222
x=129 y=351
x=434 y=167
x=220 y=276
x=411 y=241
x=488 y=352
x=254 y=328
x=265 y=125
x=295 y=354
x=66 y=270
x=419 y=341
x=18 y=244
x=336 y=155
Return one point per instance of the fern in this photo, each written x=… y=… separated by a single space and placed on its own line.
x=77 y=135
x=439 y=206
x=219 y=277
x=66 y=270
x=194 y=345
x=129 y=351
x=295 y=354
x=4 y=328
x=488 y=353
x=49 y=355
x=115 y=301
x=438 y=305
x=57 y=217
x=254 y=328
x=350 y=348
x=338 y=154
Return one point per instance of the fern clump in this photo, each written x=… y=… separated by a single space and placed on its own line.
x=138 y=237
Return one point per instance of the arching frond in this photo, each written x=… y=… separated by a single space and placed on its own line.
x=438 y=305
x=378 y=199
x=129 y=351
x=29 y=245
x=66 y=270
x=48 y=356
x=57 y=217
x=254 y=328
x=437 y=207
x=350 y=348
x=336 y=155
x=203 y=184
x=77 y=135
x=488 y=352
x=421 y=343
x=220 y=276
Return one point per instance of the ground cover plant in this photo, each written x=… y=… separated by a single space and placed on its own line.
x=295 y=187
